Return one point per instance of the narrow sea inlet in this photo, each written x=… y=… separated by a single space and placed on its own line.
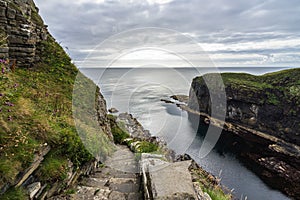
x=139 y=91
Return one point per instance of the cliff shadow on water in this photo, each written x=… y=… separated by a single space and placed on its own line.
x=227 y=142
x=262 y=116
x=249 y=153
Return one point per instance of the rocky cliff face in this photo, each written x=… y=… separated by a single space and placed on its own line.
x=268 y=103
x=21 y=31
x=262 y=123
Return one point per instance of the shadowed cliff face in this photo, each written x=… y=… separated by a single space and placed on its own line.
x=268 y=103
x=262 y=123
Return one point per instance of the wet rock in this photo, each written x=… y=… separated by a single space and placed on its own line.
x=113 y=110
x=260 y=108
x=183 y=157
x=167 y=101
x=181 y=98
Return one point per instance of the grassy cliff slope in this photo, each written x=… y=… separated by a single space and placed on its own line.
x=36 y=111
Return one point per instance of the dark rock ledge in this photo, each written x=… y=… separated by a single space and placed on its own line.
x=273 y=159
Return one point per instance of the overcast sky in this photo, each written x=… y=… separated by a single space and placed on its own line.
x=233 y=33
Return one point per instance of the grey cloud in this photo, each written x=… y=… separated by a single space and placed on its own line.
x=82 y=26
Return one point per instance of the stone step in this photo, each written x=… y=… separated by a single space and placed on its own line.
x=122 y=180
x=123 y=164
x=94 y=182
x=125 y=187
x=109 y=172
x=117 y=180
x=135 y=196
x=115 y=195
x=91 y=193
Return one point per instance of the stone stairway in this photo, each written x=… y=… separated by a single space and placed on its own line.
x=118 y=179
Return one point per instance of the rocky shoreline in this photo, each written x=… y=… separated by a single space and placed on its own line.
x=273 y=159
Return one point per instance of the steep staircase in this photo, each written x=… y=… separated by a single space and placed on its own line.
x=118 y=179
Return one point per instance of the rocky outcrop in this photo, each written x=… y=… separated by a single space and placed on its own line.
x=262 y=123
x=113 y=110
x=22 y=178
x=21 y=31
x=137 y=132
x=268 y=103
x=36 y=163
x=133 y=127
x=101 y=112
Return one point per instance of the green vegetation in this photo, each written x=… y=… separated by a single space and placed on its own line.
x=15 y=194
x=277 y=86
x=53 y=168
x=209 y=185
x=70 y=191
x=121 y=136
x=36 y=110
x=36 y=18
x=118 y=130
x=216 y=194
x=147 y=147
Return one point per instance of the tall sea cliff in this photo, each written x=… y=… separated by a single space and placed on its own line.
x=261 y=123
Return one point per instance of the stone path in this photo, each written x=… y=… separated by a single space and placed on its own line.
x=117 y=180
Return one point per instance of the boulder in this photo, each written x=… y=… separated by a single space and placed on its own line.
x=165 y=180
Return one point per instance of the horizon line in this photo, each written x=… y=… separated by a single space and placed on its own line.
x=127 y=67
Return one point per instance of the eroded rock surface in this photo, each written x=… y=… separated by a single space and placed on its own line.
x=165 y=180
x=21 y=31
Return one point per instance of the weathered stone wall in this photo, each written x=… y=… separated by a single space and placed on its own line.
x=21 y=30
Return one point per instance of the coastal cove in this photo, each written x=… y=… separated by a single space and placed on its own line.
x=138 y=91
x=138 y=133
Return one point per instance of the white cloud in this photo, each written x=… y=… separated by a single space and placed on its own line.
x=151 y=2
x=89 y=1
